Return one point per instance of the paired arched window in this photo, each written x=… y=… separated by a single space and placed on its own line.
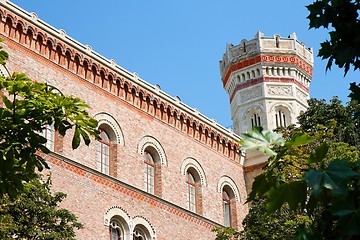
x=282 y=117
x=141 y=232
x=255 y=120
x=149 y=173
x=103 y=152
x=138 y=234
x=116 y=232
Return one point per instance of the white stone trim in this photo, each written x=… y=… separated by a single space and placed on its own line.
x=115 y=211
x=191 y=162
x=149 y=141
x=107 y=119
x=282 y=104
x=225 y=180
x=142 y=221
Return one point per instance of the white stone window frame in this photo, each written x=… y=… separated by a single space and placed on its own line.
x=227 y=181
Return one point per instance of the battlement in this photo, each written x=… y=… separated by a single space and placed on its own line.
x=262 y=45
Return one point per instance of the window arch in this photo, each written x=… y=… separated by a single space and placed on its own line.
x=107 y=148
x=117 y=220
x=153 y=159
x=143 y=230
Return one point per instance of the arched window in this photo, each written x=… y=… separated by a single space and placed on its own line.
x=138 y=234
x=115 y=231
x=229 y=207
x=149 y=173
x=255 y=120
x=142 y=230
x=280 y=118
x=103 y=152
x=194 y=180
x=191 y=191
x=49 y=134
x=226 y=208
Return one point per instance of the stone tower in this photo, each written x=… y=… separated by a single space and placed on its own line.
x=267 y=80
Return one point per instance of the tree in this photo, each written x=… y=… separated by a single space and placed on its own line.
x=296 y=145
x=28 y=108
x=341 y=119
x=343 y=18
x=35 y=214
x=312 y=175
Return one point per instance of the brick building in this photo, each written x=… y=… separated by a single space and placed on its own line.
x=162 y=169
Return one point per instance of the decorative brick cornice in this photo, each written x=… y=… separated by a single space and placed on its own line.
x=42 y=42
x=267 y=59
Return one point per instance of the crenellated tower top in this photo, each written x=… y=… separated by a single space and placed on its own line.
x=267 y=80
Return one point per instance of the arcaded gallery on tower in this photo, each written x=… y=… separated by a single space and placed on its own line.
x=162 y=170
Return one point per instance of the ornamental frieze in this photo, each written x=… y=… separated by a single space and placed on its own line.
x=250 y=94
x=280 y=90
x=301 y=95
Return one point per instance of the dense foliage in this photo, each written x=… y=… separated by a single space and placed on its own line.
x=28 y=210
x=28 y=108
x=35 y=214
x=342 y=18
x=282 y=185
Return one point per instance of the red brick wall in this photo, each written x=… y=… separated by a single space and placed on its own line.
x=90 y=195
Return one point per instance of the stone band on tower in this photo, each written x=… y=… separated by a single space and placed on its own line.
x=267 y=80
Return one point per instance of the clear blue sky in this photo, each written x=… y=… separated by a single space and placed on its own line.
x=178 y=44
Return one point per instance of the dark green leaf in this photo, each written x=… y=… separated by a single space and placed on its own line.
x=293 y=193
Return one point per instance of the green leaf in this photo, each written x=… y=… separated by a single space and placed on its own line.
x=331 y=178
x=348 y=214
x=293 y=193
x=262 y=184
x=319 y=153
x=76 y=138
x=261 y=140
x=7 y=102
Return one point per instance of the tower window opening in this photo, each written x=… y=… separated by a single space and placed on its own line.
x=280 y=119
x=255 y=120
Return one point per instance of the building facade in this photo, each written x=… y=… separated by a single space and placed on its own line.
x=162 y=169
